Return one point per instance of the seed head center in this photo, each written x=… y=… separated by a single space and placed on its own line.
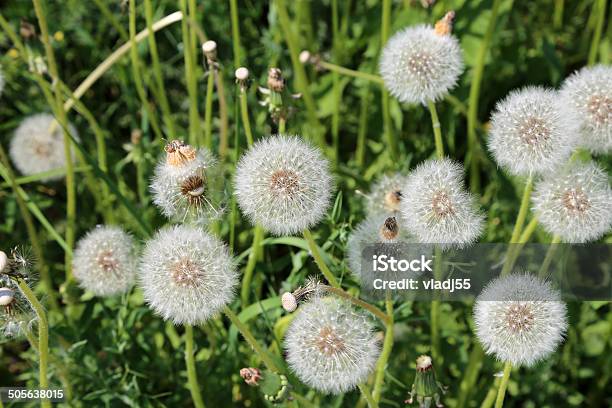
x=519 y=317
x=420 y=64
x=107 y=261
x=193 y=189
x=534 y=131
x=600 y=109
x=575 y=200
x=393 y=199
x=284 y=183
x=329 y=342
x=442 y=205
x=185 y=272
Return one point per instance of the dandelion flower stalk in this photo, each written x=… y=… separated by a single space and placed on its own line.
x=435 y=122
x=190 y=78
x=258 y=236
x=316 y=254
x=210 y=49
x=600 y=6
x=381 y=365
x=192 y=375
x=390 y=136
x=242 y=76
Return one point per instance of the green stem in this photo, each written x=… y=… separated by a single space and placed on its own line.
x=388 y=133
x=523 y=210
x=351 y=72
x=235 y=32
x=363 y=127
x=335 y=83
x=503 y=385
x=518 y=237
x=43 y=337
x=470 y=374
x=435 y=122
x=558 y=14
x=248 y=336
x=190 y=78
x=111 y=19
x=157 y=73
x=381 y=366
x=282 y=125
x=550 y=253
x=223 y=118
x=316 y=254
x=192 y=374
x=246 y=122
x=473 y=146
x=365 y=391
x=490 y=397
x=210 y=90
x=435 y=311
x=601 y=15
x=258 y=235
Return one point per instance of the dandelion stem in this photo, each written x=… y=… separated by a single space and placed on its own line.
x=390 y=136
x=210 y=89
x=471 y=374
x=435 y=310
x=358 y=302
x=258 y=235
x=600 y=5
x=558 y=14
x=365 y=391
x=363 y=127
x=381 y=366
x=235 y=32
x=43 y=337
x=435 y=122
x=282 y=125
x=503 y=385
x=490 y=397
x=472 y=118
x=223 y=127
x=248 y=336
x=192 y=374
x=550 y=253
x=351 y=72
x=517 y=236
x=523 y=210
x=316 y=254
x=190 y=78
x=246 y=122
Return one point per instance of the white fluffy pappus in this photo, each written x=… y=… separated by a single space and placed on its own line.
x=418 y=65
x=105 y=261
x=575 y=204
x=530 y=134
x=35 y=149
x=385 y=194
x=183 y=191
x=187 y=275
x=283 y=184
x=437 y=208
x=587 y=98
x=520 y=319
x=330 y=346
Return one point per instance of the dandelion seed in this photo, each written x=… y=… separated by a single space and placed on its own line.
x=181 y=184
x=283 y=184
x=436 y=207
x=385 y=195
x=312 y=288
x=520 y=319
x=587 y=98
x=331 y=347
x=35 y=149
x=575 y=204
x=422 y=63
x=187 y=275
x=530 y=134
x=105 y=261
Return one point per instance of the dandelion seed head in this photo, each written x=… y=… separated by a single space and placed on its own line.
x=437 y=208
x=587 y=98
x=520 y=319
x=385 y=194
x=529 y=133
x=418 y=65
x=575 y=203
x=35 y=149
x=330 y=346
x=105 y=261
x=283 y=184
x=187 y=275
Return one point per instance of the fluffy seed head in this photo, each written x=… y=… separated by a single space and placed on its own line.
x=105 y=261
x=35 y=149
x=436 y=207
x=283 y=184
x=330 y=346
x=385 y=195
x=529 y=133
x=520 y=318
x=187 y=275
x=575 y=204
x=420 y=65
x=181 y=184
x=587 y=98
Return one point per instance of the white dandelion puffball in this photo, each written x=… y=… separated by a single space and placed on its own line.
x=419 y=65
x=35 y=149
x=530 y=134
x=181 y=184
x=575 y=204
x=105 y=261
x=283 y=184
x=187 y=275
x=437 y=208
x=385 y=194
x=520 y=319
x=375 y=229
x=587 y=97
x=331 y=347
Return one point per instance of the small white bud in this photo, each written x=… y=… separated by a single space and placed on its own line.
x=242 y=74
x=209 y=46
x=3 y=260
x=305 y=56
x=289 y=302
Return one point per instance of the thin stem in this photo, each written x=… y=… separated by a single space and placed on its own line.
x=61 y=113
x=550 y=253
x=523 y=210
x=435 y=310
x=235 y=32
x=316 y=254
x=248 y=336
x=157 y=73
x=282 y=125
x=210 y=90
x=381 y=365
x=471 y=374
x=601 y=15
x=473 y=147
x=43 y=337
x=223 y=119
x=190 y=79
x=246 y=122
x=336 y=83
x=360 y=303
x=111 y=19
x=365 y=391
x=258 y=235
x=517 y=235
x=503 y=385
x=351 y=72
x=192 y=375
x=528 y=231
x=558 y=14
x=435 y=122
x=388 y=133
x=490 y=397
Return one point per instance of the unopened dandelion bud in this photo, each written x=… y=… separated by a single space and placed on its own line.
x=4 y=261
x=242 y=74
x=251 y=375
x=289 y=302
x=136 y=136
x=210 y=51
x=425 y=389
x=276 y=81
x=274 y=386
x=445 y=25
x=389 y=230
x=305 y=57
